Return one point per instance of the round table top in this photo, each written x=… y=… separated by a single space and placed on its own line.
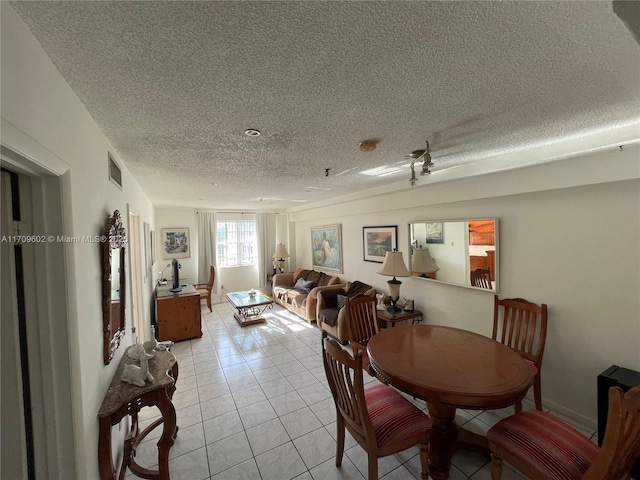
x=450 y=366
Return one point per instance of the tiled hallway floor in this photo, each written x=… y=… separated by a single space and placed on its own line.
x=253 y=403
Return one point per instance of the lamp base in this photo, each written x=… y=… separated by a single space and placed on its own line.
x=393 y=310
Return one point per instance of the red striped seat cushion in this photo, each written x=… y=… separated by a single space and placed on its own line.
x=532 y=367
x=393 y=417
x=545 y=443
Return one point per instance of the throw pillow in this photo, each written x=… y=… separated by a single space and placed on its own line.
x=341 y=299
x=304 y=285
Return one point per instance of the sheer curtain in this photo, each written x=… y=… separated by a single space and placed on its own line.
x=207 y=247
x=265 y=230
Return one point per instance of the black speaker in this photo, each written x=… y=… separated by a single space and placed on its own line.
x=614 y=376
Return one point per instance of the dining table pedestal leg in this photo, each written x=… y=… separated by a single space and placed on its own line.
x=444 y=433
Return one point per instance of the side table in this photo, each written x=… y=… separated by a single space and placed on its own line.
x=124 y=399
x=385 y=318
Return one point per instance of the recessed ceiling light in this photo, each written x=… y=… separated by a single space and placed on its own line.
x=252 y=132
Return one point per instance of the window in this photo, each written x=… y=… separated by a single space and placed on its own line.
x=237 y=243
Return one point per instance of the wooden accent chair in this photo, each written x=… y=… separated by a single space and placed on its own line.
x=522 y=325
x=481 y=278
x=362 y=324
x=544 y=447
x=205 y=289
x=381 y=420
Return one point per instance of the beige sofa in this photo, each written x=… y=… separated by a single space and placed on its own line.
x=332 y=318
x=301 y=299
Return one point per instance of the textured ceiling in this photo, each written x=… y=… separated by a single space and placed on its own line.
x=173 y=85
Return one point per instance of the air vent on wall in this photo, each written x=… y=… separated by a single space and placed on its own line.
x=115 y=173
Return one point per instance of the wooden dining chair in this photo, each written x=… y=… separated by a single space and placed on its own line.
x=544 y=447
x=381 y=420
x=205 y=289
x=522 y=325
x=362 y=324
x=481 y=278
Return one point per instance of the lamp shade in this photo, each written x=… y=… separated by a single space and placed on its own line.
x=422 y=261
x=393 y=265
x=281 y=251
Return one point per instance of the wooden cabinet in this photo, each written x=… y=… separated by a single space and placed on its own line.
x=486 y=263
x=178 y=315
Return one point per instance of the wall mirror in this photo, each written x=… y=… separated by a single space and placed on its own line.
x=113 y=285
x=459 y=252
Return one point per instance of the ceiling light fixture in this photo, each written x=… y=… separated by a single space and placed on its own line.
x=426 y=164
x=368 y=145
x=252 y=132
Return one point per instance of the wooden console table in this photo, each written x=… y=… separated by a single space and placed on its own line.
x=124 y=399
x=178 y=315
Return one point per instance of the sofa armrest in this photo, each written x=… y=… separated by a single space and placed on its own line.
x=283 y=280
x=328 y=296
x=312 y=300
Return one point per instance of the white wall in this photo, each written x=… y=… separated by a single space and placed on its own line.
x=177 y=218
x=231 y=278
x=574 y=247
x=44 y=121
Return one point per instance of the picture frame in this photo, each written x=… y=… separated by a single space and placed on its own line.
x=153 y=247
x=377 y=241
x=435 y=233
x=147 y=249
x=175 y=243
x=326 y=248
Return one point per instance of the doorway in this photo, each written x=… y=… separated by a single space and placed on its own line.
x=36 y=388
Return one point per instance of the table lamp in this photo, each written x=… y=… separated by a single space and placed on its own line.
x=280 y=254
x=422 y=262
x=393 y=266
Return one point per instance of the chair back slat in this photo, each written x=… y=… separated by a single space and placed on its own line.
x=522 y=326
x=344 y=374
x=212 y=278
x=621 y=444
x=362 y=320
x=481 y=278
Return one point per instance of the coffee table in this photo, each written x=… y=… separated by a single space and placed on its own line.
x=249 y=309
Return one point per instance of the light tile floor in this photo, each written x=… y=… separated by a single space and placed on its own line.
x=253 y=403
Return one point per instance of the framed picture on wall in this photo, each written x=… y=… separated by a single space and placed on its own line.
x=326 y=248
x=435 y=233
x=175 y=243
x=153 y=247
x=377 y=241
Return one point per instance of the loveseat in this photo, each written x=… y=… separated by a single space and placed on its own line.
x=331 y=314
x=298 y=291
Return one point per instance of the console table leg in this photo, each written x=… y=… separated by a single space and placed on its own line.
x=169 y=432
x=105 y=460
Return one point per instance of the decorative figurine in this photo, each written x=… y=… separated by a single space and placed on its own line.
x=134 y=374
x=381 y=305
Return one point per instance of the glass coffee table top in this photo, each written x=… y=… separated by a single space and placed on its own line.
x=247 y=307
x=242 y=299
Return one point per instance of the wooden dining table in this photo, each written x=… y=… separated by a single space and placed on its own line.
x=449 y=368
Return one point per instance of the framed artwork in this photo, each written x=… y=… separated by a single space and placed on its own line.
x=175 y=243
x=153 y=247
x=435 y=233
x=147 y=249
x=377 y=241
x=326 y=248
